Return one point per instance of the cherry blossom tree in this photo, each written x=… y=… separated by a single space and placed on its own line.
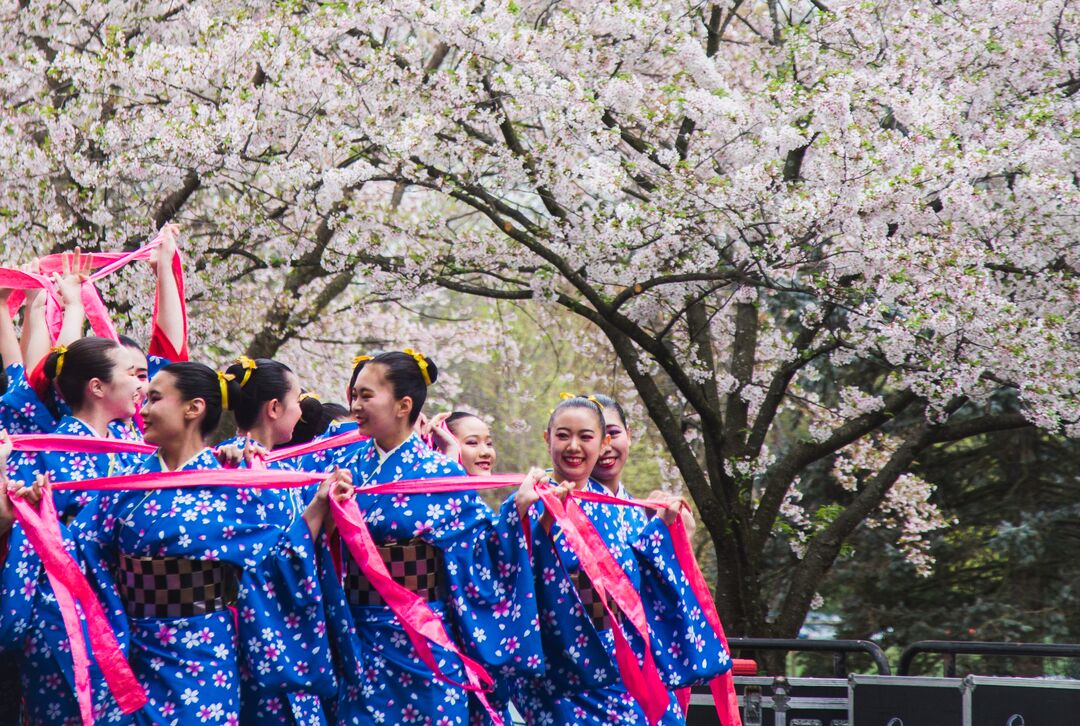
x=817 y=235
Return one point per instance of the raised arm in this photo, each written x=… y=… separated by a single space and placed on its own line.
x=170 y=315
x=76 y=272
x=35 y=341
x=10 y=352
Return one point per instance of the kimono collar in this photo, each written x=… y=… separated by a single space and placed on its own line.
x=621 y=493
x=205 y=459
x=384 y=455
x=86 y=429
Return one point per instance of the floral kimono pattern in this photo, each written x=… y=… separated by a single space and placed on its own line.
x=582 y=685
x=63 y=466
x=37 y=635
x=489 y=607
x=21 y=411
x=32 y=631
x=190 y=665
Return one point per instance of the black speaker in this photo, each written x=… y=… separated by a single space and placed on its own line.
x=906 y=701
x=1022 y=701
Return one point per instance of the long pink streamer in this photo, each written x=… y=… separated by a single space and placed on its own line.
x=43 y=532
x=78 y=444
x=311 y=447
x=419 y=621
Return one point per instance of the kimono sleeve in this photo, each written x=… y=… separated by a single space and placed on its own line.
x=282 y=632
x=686 y=648
x=577 y=656
x=21 y=411
x=490 y=584
x=19 y=580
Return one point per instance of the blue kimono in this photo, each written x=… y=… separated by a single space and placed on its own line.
x=286 y=662
x=189 y=665
x=489 y=604
x=582 y=685
x=63 y=466
x=39 y=639
x=21 y=411
x=32 y=632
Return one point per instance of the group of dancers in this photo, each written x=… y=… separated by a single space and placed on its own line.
x=336 y=566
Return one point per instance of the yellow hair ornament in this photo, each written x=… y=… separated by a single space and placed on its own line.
x=360 y=359
x=591 y=399
x=420 y=361
x=61 y=351
x=249 y=365
x=306 y=395
x=223 y=381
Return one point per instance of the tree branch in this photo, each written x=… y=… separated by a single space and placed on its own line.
x=779 y=476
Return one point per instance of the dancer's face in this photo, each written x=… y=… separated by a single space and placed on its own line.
x=122 y=394
x=374 y=407
x=477 y=448
x=166 y=413
x=612 y=459
x=574 y=441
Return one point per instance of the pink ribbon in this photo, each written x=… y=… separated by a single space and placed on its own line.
x=19 y=281
x=78 y=444
x=419 y=621
x=311 y=447
x=607 y=576
x=71 y=586
x=104 y=264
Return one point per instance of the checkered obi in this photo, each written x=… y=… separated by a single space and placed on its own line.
x=174 y=587
x=415 y=565
x=590 y=600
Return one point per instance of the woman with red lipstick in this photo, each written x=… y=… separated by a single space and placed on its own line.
x=582 y=684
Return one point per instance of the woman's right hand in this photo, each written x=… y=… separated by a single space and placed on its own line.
x=527 y=495
x=32 y=494
x=76 y=271
x=442 y=437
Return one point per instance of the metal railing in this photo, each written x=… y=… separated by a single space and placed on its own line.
x=838 y=648
x=952 y=648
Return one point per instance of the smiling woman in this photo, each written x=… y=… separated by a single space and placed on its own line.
x=138 y=544
x=476 y=573
x=583 y=684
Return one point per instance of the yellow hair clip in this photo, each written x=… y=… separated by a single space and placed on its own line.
x=591 y=399
x=420 y=361
x=61 y=351
x=223 y=381
x=360 y=359
x=309 y=394
x=249 y=365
